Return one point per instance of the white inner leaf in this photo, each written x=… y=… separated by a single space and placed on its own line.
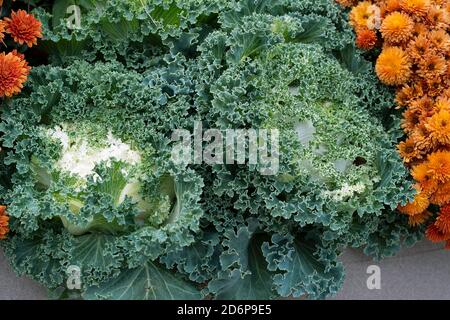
x=305 y=131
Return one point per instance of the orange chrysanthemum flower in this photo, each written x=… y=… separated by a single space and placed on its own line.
x=419 y=219
x=437 y=17
x=407 y=93
x=13 y=73
x=366 y=39
x=424 y=107
x=393 y=66
x=24 y=28
x=419 y=47
x=415 y=7
x=435 y=235
x=443 y=220
x=361 y=15
x=397 y=27
x=438 y=127
x=419 y=205
x=439 y=165
x=442 y=194
x=408 y=150
x=432 y=65
x=420 y=136
x=440 y=40
x=421 y=173
x=411 y=119
x=4 y=222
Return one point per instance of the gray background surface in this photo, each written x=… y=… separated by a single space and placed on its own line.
x=421 y=272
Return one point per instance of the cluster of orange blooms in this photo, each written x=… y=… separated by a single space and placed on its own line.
x=415 y=57
x=24 y=29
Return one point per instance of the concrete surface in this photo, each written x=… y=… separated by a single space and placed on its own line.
x=421 y=272
x=14 y=288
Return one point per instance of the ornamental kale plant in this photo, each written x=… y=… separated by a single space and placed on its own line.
x=88 y=174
